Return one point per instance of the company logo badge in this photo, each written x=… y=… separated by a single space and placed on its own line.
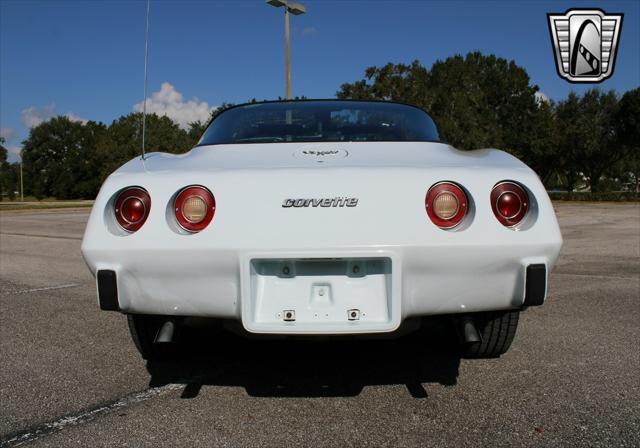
x=585 y=42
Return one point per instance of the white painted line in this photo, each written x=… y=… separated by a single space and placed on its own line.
x=45 y=429
x=58 y=237
x=48 y=288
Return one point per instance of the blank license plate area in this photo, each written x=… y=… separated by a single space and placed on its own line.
x=318 y=292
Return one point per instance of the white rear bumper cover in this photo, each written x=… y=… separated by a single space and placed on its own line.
x=407 y=281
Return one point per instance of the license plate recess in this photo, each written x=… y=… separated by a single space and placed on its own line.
x=316 y=295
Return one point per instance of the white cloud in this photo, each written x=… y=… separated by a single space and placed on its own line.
x=73 y=117
x=309 y=30
x=541 y=97
x=6 y=133
x=13 y=153
x=169 y=102
x=33 y=116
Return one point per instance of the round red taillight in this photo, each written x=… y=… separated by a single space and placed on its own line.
x=446 y=204
x=132 y=208
x=509 y=202
x=194 y=208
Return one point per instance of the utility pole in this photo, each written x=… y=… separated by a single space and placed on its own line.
x=295 y=9
x=287 y=56
x=21 y=183
x=146 y=59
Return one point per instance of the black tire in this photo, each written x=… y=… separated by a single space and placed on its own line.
x=497 y=330
x=143 y=330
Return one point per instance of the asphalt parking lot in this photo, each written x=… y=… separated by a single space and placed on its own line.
x=70 y=375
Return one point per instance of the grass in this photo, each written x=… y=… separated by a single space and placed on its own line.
x=34 y=204
x=587 y=196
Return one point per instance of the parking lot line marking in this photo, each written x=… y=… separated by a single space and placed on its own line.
x=36 y=432
x=60 y=237
x=46 y=288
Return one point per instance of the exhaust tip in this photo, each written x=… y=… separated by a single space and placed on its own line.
x=166 y=333
x=468 y=330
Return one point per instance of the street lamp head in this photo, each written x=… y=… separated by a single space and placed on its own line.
x=296 y=9
x=276 y=3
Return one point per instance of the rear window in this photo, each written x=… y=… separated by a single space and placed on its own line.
x=320 y=121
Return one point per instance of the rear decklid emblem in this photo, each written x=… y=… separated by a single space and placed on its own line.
x=320 y=155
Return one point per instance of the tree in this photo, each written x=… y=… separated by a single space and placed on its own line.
x=59 y=159
x=477 y=101
x=482 y=101
x=7 y=174
x=570 y=139
x=392 y=82
x=123 y=140
x=196 y=129
x=627 y=129
x=588 y=136
x=598 y=151
x=541 y=151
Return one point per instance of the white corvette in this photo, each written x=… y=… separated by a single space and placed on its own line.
x=323 y=218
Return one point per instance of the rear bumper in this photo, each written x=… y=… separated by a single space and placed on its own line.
x=417 y=281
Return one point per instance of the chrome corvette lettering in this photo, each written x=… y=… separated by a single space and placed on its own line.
x=320 y=202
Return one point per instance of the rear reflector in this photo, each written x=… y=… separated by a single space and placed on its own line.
x=107 y=290
x=446 y=204
x=509 y=202
x=132 y=208
x=194 y=208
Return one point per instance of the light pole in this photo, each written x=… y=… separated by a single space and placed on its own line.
x=295 y=9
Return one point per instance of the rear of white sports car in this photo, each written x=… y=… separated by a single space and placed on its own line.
x=334 y=236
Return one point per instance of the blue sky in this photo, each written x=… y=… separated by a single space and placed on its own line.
x=85 y=58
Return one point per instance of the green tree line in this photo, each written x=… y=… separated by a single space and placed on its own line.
x=481 y=101
x=478 y=101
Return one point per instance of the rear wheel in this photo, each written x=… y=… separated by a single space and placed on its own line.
x=144 y=330
x=497 y=330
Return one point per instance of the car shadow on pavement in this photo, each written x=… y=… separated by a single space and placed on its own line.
x=309 y=368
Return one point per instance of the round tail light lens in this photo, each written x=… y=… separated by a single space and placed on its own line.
x=446 y=204
x=194 y=208
x=510 y=203
x=132 y=208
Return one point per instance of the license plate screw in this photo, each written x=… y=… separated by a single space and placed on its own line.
x=353 y=314
x=356 y=269
x=286 y=270
x=289 y=315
